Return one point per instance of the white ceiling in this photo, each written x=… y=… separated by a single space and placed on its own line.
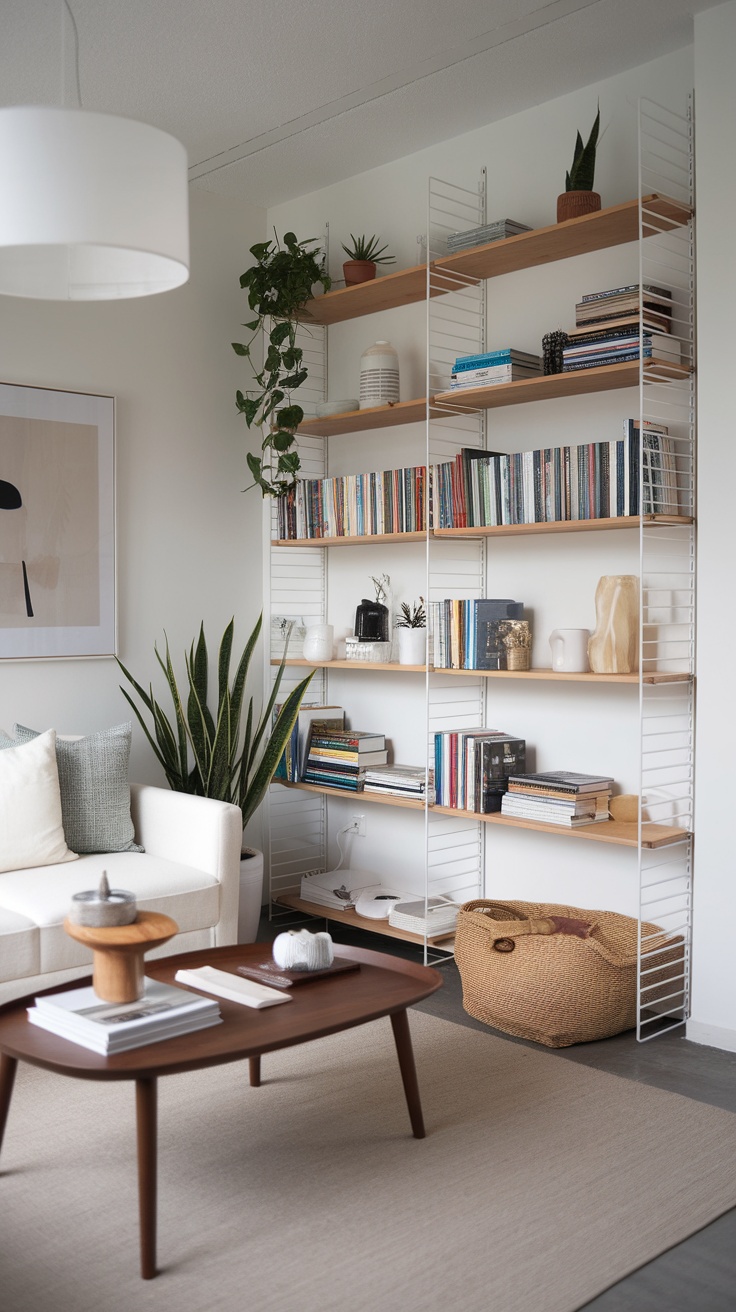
x=275 y=99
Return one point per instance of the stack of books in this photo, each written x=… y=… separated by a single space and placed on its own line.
x=294 y=760
x=468 y=634
x=608 y=329
x=338 y=758
x=558 y=797
x=491 y=367
x=163 y=1012
x=472 y=768
x=494 y=231
x=438 y=915
x=401 y=781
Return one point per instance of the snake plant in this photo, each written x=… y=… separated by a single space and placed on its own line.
x=580 y=176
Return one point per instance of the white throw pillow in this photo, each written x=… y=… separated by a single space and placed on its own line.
x=31 y=831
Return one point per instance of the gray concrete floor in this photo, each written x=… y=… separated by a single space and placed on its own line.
x=698 y=1275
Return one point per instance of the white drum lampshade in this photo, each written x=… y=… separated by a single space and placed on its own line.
x=92 y=207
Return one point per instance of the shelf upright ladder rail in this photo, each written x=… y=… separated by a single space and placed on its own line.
x=456 y=319
x=667 y=572
x=295 y=584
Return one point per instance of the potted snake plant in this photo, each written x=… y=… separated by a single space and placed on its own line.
x=578 y=197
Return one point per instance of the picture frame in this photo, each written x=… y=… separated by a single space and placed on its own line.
x=57 y=523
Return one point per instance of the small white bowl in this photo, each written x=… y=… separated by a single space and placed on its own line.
x=325 y=408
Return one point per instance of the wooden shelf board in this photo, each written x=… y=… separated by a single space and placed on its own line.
x=393 y=667
x=366 y=540
x=560 y=526
x=359 y=421
x=611 y=831
x=559 y=241
x=385 y=799
x=355 y=921
x=579 y=382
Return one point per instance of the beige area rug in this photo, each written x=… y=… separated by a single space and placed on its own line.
x=540 y=1182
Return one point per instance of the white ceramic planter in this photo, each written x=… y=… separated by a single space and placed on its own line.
x=251 y=894
x=412 y=646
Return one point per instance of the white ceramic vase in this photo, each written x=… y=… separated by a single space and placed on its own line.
x=379 y=375
x=251 y=894
x=412 y=646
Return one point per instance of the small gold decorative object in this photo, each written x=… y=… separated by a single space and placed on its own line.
x=517 y=640
x=103 y=906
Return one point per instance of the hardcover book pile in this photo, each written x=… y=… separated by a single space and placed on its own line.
x=355 y=505
x=438 y=915
x=558 y=797
x=595 y=480
x=401 y=781
x=469 y=635
x=472 y=768
x=487 y=232
x=488 y=368
x=608 y=329
x=163 y=1012
x=338 y=758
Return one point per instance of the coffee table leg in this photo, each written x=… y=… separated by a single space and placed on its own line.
x=8 y=1067
x=254 y=1067
x=145 y=1102
x=404 y=1051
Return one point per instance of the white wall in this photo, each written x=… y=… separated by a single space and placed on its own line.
x=526 y=157
x=188 y=541
x=714 y=958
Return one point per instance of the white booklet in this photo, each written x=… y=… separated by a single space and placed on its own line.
x=232 y=987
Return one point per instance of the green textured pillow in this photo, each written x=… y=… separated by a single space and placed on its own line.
x=95 y=790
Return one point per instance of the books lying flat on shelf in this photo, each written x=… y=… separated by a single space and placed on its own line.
x=106 y=1027
x=472 y=768
x=485 y=233
x=617 y=349
x=620 y=301
x=231 y=987
x=580 y=804
x=506 y=355
x=562 y=781
x=401 y=781
x=438 y=915
x=338 y=758
x=516 y=809
x=338 y=889
x=589 y=332
x=492 y=375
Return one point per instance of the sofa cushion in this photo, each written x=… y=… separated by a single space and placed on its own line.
x=95 y=792
x=20 y=946
x=190 y=896
x=31 y=829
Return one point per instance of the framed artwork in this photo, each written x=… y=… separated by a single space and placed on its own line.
x=57 y=523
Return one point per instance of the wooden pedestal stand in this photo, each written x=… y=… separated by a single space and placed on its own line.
x=117 y=952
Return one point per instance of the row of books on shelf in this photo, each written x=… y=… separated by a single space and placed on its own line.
x=593 y=480
x=471 y=634
x=354 y=505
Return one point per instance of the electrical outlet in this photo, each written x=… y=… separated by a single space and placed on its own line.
x=358 y=823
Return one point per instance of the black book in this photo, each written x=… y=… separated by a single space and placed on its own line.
x=488 y=614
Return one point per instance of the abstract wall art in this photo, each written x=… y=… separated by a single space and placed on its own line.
x=57 y=523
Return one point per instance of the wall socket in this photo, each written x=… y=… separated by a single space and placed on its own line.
x=358 y=823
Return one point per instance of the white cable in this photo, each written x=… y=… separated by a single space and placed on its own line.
x=346 y=829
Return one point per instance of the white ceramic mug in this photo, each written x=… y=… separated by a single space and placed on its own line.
x=569 y=650
x=318 y=642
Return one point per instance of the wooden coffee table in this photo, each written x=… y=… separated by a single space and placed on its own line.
x=382 y=986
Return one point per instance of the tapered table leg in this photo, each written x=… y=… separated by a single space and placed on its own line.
x=405 y=1053
x=8 y=1067
x=254 y=1067
x=145 y=1101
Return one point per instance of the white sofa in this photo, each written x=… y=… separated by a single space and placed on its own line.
x=189 y=870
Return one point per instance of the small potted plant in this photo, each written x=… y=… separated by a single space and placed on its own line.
x=411 y=623
x=364 y=254
x=578 y=197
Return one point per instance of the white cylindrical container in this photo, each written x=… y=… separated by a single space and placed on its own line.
x=412 y=646
x=319 y=641
x=251 y=894
x=379 y=375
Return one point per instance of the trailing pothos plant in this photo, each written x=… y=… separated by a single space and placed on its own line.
x=279 y=285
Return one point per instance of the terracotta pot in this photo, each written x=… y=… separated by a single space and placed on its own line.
x=356 y=271
x=571 y=204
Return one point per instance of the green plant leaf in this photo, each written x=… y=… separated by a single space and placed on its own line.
x=239 y=349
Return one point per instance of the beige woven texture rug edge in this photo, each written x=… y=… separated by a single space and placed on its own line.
x=540 y=1183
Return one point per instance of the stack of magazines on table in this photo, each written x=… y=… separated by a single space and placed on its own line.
x=401 y=781
x=109 y=1027
x=558 y=797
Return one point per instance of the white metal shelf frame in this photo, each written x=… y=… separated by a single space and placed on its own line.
x=667 y=571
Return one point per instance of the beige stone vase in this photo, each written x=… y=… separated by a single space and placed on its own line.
x=613 y=647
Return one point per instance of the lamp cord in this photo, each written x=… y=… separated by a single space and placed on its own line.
x=76 y=59
x=346 y=829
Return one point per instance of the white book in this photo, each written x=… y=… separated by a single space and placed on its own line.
x=107 y=1045
x=232 y=987
x=83 y=1011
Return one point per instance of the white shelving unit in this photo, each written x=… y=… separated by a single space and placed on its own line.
x=458 y=291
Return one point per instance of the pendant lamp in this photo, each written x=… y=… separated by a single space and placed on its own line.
x=92 y=207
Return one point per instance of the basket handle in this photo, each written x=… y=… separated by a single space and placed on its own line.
x=506 y=932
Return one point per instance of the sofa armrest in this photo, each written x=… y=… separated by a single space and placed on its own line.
x=196 y=831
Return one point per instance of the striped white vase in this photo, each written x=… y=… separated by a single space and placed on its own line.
x=379 y=375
